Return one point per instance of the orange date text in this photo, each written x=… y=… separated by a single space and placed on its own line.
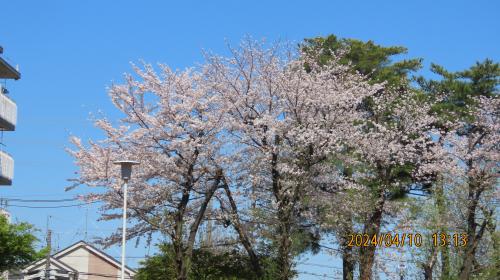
x=385 y=240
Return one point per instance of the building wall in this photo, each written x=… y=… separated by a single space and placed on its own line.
x=85 y=261
x=100 y=266
x=79 y=260
x=8 y=118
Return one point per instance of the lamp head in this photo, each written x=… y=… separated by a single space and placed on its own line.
x=126 y=168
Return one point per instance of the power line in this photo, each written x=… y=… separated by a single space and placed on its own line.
x=37 y=195
x=39 y=200
x=319 y=265
x=318 y=275
x=57 y=206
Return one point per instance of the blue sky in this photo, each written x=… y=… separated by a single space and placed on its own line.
x=70 y=51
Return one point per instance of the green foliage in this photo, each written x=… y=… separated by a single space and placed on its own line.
x=454 y=95
x=367 y=58
x=492 y=269
x=208 y=265
x=304 y=238
x=376 y=62
x=205 y=265
x=458 y=89
x=17 y=245
x=160 y=266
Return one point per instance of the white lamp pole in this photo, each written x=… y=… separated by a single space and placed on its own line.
x=126 y=171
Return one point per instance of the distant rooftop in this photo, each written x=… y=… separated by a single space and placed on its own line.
x=6 y=70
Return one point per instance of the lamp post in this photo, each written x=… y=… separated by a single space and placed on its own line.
x=126 y=171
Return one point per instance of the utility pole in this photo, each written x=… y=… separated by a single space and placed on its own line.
x=126 y=172
x=86 y=222
x=47 y=260
x=124 y=229
x=209 y=225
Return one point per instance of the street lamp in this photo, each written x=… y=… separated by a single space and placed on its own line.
x=126 y=171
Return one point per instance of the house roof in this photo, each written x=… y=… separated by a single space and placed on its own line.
x=94 y=250
x=55 y=259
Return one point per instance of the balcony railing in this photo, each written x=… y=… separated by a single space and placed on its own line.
x=6 y=169
x=8 y=112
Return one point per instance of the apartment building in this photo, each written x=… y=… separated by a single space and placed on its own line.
x=8 y=117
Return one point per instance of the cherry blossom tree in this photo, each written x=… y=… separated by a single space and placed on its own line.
x=402 y=155
x=393 y=153
x=467 y=113
x=378 y=64
x=285 y=120
x=256 y=132
x=171 y=125
x=476 y=150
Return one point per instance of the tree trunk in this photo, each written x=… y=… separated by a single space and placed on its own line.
x=442 y=212
x=286 y=207
x=372 y=227
x=469 y=257
x=347 y=263
x=285 y=243
x=245 y=241
x=177 y=240
x=284 y=220
x=188 y=253
x=429 y=266
x=427 y=272
x=180 y=264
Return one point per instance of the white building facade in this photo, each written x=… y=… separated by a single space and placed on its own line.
x=8 y=118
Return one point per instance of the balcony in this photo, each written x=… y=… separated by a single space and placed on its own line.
x=8 y=111
x=7 y=71
x=6 y=169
